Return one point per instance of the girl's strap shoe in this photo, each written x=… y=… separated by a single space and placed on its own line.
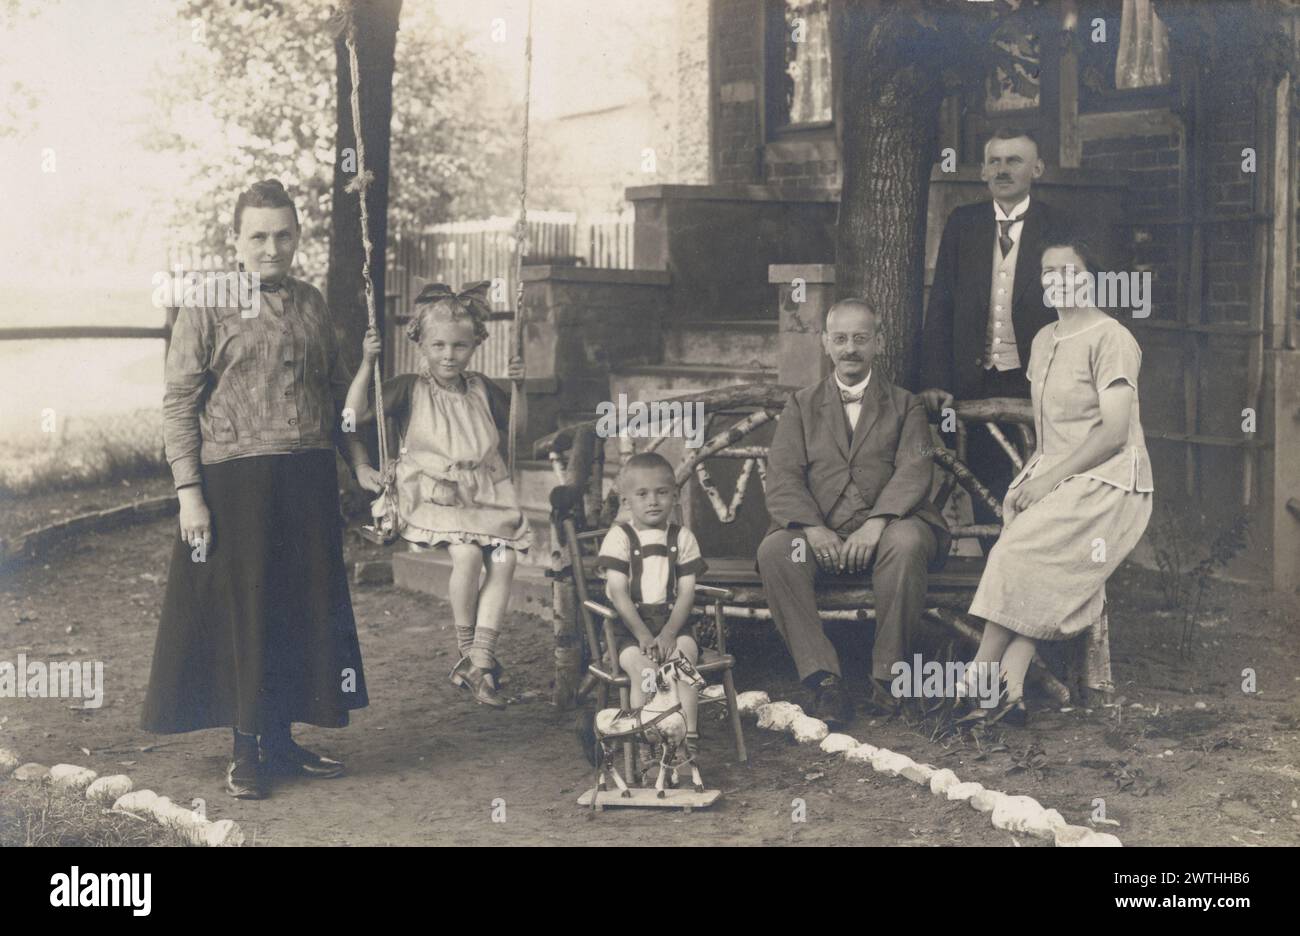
x=480 y=686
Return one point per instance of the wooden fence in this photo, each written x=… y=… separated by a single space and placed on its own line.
x=462 y=252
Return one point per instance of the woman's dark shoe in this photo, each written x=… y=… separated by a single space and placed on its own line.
x=288 y=757
x=480 y=686
x=244 y=779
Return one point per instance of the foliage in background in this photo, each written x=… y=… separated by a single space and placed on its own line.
x=1189 y=550
x=254 y=98
x=86 y=452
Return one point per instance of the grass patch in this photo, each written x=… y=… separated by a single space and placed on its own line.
x=38 y=816
x=87 y=452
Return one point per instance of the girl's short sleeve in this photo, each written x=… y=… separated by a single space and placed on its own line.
x=1116 y=356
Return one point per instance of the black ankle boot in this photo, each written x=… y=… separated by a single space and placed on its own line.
x=244 y=779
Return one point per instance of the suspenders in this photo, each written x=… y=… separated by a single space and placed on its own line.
x=638 y=552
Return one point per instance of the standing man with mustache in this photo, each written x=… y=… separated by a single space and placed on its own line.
x=986 y=302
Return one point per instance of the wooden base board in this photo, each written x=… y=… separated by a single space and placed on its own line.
x=685 y=800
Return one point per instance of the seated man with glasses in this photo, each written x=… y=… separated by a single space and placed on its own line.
x=847 y=491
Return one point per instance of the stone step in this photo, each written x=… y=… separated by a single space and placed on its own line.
x=746 y=343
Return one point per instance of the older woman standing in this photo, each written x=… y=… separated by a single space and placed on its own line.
x=257 y=629
x=1082 y=501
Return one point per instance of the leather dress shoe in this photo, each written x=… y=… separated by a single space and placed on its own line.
x=881 y=699
x=831 y=704
x=244 y=779
x=288 y=757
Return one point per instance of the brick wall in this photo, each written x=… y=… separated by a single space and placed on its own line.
x=737 y=72
x=741 y=153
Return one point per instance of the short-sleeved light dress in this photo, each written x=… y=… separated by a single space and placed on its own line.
x=452 y=484
x=1046 y=575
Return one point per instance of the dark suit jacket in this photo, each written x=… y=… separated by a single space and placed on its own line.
x=957 y=317
x=811 y=459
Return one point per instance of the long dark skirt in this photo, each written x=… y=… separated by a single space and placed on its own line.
x=261 y=632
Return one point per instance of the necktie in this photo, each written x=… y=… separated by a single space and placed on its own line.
x=1004 y=238
x=846 y=397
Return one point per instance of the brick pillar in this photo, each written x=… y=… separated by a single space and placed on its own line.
x=805 y=292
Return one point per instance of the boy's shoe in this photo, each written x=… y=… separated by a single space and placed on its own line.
x=481 y=688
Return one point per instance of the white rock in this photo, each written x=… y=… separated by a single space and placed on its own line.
x=1045 y=824
x=778 y=716
x=986 y=800
x=890 y=763
x=836 y=743
x=136 y=803
x=1017 y=813
x=749 y=702
x=31 y=771
x=942 y=781
x=963 y=791
x=1099 y=840
x=223 y=833
x=862 y=753
x=1069 y=836
x=107 y=790
x=808 y=729
x=71 y=777
x=8 y=762
x=918 y=773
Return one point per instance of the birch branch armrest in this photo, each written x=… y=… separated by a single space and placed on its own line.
x=608 y=614
x=711 y=591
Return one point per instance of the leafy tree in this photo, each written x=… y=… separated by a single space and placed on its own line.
x=254 y=96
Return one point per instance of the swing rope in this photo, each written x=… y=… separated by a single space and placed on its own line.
x=360 y=184
x=521 y=243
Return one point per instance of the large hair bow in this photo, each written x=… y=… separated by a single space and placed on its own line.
x=473 y=298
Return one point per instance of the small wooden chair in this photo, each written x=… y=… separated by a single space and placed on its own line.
x=603 y=672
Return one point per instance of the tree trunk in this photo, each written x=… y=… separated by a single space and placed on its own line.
x=376 y=43
x=893 y=89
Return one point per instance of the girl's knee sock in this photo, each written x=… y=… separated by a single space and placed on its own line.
x=482 y=650
x=464 y=638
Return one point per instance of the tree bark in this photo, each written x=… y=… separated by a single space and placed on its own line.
x=893 y=89
x=345 y=290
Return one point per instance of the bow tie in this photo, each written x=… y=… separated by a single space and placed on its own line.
x=846 y=397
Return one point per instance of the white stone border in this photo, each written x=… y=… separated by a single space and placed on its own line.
x=115 y=793
x=1021 y=814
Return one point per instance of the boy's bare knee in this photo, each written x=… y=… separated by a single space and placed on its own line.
x=688 y=648
x=632 y=661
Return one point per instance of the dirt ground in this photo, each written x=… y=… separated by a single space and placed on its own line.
x=1185 y=758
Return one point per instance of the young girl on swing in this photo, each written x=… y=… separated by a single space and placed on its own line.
x=451 y=482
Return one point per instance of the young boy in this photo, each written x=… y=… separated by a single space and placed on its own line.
x=650 y=567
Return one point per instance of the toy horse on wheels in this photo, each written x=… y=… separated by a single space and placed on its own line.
x=661 y=723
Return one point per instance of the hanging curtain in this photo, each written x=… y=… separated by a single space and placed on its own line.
x=808 y=62
x=1143 y=59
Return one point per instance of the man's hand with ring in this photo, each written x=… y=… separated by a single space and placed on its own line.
x=826 y=547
